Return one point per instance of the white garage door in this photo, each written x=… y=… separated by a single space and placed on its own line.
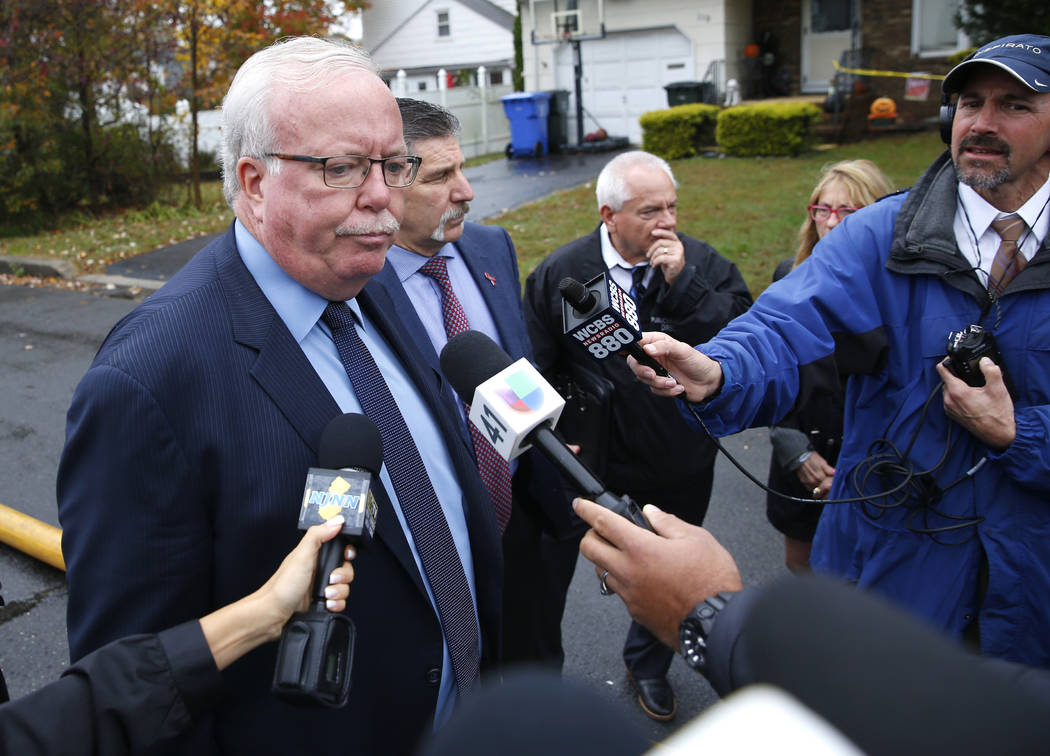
x=624 y=76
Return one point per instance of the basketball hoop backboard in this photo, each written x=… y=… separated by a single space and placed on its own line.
x=556 y=21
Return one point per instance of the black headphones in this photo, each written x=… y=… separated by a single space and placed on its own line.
x=947 y=115
x=947 y=112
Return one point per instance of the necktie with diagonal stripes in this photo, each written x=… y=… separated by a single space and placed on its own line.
x=1008 y=260
x=495 y=471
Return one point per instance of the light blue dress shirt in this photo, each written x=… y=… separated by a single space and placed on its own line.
x=300 y=309
x=426 y=298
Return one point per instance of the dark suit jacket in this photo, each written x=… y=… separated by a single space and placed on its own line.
x=490 y=256
x=651 y=452
x=187 y=445
x=487 y=252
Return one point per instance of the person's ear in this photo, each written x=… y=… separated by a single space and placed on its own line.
x=608 y=217
x=250 y=173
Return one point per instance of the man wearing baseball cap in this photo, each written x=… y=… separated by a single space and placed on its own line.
x=950 y=478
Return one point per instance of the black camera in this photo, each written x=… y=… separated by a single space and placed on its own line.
x=316 y=653
x=315 y=658
x=965 y=350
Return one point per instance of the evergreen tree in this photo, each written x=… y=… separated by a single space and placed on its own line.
x=985 y=21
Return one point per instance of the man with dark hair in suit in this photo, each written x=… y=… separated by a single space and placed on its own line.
x=447 y=275
x=204 y=408
x=645 y=449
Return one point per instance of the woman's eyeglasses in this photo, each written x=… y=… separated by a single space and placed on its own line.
x=821 y=213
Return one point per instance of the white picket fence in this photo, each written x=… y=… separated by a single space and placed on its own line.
x=478 y=108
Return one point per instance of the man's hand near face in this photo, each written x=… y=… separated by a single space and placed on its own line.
x=666 y=254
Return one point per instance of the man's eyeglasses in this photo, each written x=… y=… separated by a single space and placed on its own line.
x=821 y=213
x=350 y=171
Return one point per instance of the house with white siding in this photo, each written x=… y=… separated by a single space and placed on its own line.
x=769 y=47
x=422 y=37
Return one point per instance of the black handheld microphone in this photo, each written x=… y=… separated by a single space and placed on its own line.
x=603 y=319
x=316 y=652
x=512 y=405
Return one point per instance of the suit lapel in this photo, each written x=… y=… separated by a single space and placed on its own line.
x=394 y=291
x=281 y=369
x=499 y=285
x=378 y=304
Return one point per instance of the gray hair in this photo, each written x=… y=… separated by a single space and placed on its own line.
x=611 y=187
x=422 y=120
x=295 y=63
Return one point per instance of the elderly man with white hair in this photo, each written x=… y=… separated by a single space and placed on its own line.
x=638 y=444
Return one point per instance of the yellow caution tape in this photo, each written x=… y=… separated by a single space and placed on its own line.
x=871 y=72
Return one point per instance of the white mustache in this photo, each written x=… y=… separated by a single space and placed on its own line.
x=455 y=213
x=385 y=223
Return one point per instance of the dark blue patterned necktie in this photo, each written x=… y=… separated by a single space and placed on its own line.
x=419 y=502
x=637 y=276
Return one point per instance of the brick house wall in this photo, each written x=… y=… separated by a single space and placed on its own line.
x=885 y=34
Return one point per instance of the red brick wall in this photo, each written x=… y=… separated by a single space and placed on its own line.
x=885 y=33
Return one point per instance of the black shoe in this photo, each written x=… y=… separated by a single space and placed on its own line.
x=656 y=697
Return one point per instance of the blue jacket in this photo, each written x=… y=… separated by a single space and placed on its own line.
x=883 y=292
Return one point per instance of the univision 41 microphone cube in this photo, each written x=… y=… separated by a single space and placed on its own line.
x=609 y=325
x=347 y=492
x=510 y=404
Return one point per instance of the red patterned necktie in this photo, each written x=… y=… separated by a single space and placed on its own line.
x=495 y=471
x=1008 y=260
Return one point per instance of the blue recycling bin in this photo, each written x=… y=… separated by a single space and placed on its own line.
x=527 y=113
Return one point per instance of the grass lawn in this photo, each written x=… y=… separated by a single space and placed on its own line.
x=90 y=244
x=749 y=209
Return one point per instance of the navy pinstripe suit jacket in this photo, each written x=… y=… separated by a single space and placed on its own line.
x=187 y=445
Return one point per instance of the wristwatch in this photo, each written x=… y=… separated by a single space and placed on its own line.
x=696 y=627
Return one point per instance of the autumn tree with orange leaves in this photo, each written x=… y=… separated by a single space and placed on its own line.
x=82 y=81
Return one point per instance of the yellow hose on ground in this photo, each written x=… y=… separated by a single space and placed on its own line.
x=31 y=536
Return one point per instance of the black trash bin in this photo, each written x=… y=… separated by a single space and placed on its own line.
x=558 y=120
x=683 y=92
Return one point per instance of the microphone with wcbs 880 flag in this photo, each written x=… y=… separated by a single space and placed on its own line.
x=603 y=319
x=514 y=407
x=316 y=652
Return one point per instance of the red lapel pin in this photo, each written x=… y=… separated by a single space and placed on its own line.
x=491 y=278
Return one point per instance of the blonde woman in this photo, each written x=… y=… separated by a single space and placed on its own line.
x=806 y=444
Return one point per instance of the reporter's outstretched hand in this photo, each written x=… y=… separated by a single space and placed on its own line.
x=695 y=374
x=239 y=627
x=660 y=576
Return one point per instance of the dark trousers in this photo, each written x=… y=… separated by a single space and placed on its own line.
x=533 y=600
x=538 y=569
x=643 y=653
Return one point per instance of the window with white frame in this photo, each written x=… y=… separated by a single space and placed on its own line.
x=496 y=77
x=933 y=29
x=444 y=29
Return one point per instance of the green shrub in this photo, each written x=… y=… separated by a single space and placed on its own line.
x=45 y=171
x=767 y=129
x=680 y=131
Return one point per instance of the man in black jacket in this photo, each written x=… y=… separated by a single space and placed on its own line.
x=635 y=442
